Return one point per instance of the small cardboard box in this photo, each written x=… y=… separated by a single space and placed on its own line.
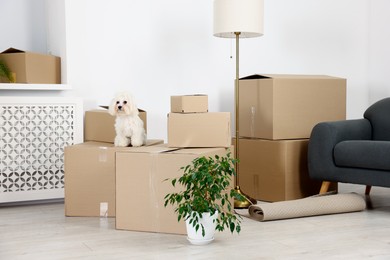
x=288 y=106
x=199 y=129
x=90 y=178
x=275 y=170
x=140 y=186
x=32 y=67
x=189 y=104
x=99 y=125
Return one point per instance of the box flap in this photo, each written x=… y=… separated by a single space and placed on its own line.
x=159 y=148
x=93 y=144
x=190 y=95
x=287 y=76
x=12 y=50
x=196 y=151
x=89 y=144
x=106 y=108
x=255 y=76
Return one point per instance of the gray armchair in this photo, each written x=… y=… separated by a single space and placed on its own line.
x=353 y=151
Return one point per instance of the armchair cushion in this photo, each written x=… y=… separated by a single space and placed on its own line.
x=363 y=154
x=323 y=139
x=379 y=116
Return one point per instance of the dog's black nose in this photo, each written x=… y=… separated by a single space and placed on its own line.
x=119 y=107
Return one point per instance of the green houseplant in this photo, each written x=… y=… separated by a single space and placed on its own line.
x=5 y=73
x=206 y=183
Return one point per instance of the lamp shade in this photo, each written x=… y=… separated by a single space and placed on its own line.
x=243 y=16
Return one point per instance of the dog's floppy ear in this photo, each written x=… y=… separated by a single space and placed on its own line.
x=132 y=109
x=111 y=107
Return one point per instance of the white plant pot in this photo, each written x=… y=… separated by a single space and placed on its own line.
x=195 y=237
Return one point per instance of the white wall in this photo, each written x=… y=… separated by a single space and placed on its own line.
x=379 y=50
x=56 y=33
x=156 y=49
x=316 y=37
x=23 y=25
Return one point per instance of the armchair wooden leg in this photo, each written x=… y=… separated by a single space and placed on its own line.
x=324 y=187
x=368 y=189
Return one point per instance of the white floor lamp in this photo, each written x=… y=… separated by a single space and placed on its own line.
x=238 y=19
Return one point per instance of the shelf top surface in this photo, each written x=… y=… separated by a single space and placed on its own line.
x=21 y=86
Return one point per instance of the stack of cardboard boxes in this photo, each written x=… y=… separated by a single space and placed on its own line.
x=191 y=125
x=129 y=183
x=90 y=167
x=192 y=132
x=277 y=114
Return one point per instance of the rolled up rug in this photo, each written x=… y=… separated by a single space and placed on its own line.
x=310 y=206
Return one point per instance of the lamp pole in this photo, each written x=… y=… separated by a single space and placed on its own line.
x=237 y=107
x=239 y=19
x=248 y=200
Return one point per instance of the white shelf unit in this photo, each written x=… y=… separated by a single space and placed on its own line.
x=21 y=86
x=33 y=134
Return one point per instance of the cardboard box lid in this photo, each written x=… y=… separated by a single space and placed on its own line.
x=103 y=145
x=157 y=148
x=191 y=95
x=165 y=149
x=105 y=108
x=287 y=76
x=12 y=50
x=196 y=151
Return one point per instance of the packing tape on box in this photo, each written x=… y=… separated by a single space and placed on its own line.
x=253 y=116
x=153 y=189
x=103 y=154
x=256 y=184
x=103 y=209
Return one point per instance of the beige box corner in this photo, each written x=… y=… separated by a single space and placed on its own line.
x=90 y=177
x=288 y=106
x=141 y=188
x=275 y=170
x=34 y=68
x=211 y=129
x=189 y=104
x=99 y=125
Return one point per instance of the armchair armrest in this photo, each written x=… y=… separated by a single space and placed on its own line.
x=323 y=139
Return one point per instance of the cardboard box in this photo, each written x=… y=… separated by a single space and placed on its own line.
x=189 y=104
x=275 y=170
x=199 y=129
x=288 y=106
x=32 y=67
x=141 y=188
x=99 y=125
x=90 y=178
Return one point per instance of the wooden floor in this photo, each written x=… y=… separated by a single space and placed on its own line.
x=43 y=232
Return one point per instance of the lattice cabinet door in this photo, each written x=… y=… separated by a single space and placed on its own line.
x=33 y=134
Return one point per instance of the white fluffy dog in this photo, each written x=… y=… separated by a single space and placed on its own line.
x=128 y=126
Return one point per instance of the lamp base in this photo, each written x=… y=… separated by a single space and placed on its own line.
x=243 y=204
